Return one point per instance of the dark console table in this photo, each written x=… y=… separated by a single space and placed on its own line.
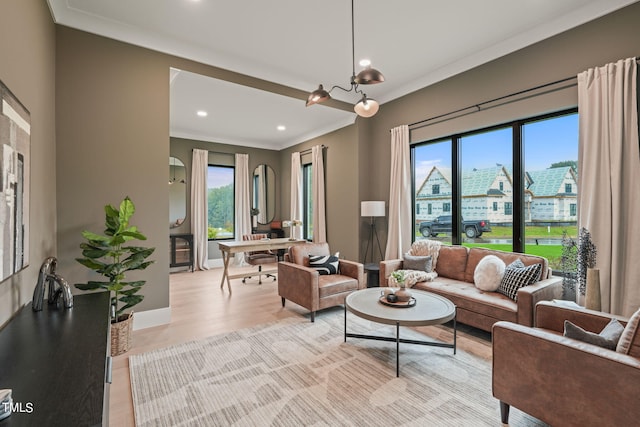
x=58 y=364
x=181 y=250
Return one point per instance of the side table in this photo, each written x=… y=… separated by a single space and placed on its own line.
x=373 y=274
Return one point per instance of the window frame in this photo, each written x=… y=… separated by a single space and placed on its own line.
x=307 y=200
x=518 y=174
x=233 y=201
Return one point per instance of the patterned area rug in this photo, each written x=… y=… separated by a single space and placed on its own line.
x=297 y=373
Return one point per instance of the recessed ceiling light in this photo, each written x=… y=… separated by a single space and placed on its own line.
x=202 y=113
x=281 y=128
x=365 y=62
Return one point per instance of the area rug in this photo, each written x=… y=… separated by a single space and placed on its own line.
x=296 y=373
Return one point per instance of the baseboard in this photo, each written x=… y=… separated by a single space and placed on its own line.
x=151 y=318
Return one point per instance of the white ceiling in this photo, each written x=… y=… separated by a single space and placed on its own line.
x=300 y=44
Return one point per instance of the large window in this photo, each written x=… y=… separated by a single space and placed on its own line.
x=520 y=178
x=220 y=202
x=307 y=202
x=432 y=170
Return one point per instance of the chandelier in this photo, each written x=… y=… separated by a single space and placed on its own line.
x=366 y=107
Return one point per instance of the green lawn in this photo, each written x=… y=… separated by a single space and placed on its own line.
x=551 y=252
x=532 y=232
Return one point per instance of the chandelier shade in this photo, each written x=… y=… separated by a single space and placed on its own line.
x=317 y=96
x=366 y=107
x=369 y=76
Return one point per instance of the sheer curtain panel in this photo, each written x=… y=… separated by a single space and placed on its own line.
x=296 y=194
x=608 y=179
x=242 y=202
x=199 y=224
x=319 y=219
x=399 y=234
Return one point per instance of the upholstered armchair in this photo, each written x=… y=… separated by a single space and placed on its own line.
x=305 y=286
x=564 y=381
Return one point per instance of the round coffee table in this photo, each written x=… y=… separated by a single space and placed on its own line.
x=430 y=309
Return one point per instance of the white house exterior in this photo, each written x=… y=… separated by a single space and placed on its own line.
x=550 y=196
x=553 y=195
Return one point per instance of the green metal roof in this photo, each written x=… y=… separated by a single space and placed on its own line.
x=548 y=182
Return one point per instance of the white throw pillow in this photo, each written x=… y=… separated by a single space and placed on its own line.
x=488 y=273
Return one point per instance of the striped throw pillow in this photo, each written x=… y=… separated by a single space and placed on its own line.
x=325 y=264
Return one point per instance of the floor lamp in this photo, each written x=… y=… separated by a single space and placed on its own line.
x=372 y=209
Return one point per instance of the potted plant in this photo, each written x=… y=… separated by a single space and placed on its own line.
x=588 y=274
x=569 y=264
x=111 y=256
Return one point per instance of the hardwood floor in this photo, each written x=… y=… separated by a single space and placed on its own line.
x=199 y=308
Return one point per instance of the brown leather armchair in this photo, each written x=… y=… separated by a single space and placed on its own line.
x=562 y=381
x=299 y=283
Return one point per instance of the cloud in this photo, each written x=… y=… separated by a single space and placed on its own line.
x=423 y=168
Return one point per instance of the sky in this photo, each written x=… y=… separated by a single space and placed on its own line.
x=545 y=142
x=219 y=176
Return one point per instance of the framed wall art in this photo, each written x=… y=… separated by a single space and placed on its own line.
x=15 y=140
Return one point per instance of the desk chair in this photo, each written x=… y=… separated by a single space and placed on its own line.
x=259 y=257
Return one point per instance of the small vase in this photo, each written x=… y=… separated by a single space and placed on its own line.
x=592 y=295
x=403 y=294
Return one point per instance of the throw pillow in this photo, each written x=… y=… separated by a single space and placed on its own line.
x=629 y=335
x=607 y=338
x=325 y=264
x=413 y=262
x=516 y=276
x=488 y=273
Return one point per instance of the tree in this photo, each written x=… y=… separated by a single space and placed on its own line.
x=565 y=163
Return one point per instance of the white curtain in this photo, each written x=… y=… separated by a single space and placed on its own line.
x=199 y=225
x=296 y=194
x=608 y=179
x=399 y=233
x=319 y=219
x=242 y=202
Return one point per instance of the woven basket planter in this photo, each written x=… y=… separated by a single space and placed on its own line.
x=121 y=334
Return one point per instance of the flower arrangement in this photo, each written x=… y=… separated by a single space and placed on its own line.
x=398 y=277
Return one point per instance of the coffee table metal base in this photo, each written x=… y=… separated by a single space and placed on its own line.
x=399 y=340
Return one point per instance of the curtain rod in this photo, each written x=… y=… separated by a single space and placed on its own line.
x=217 y=152
x=478 y=107
x=308 y=150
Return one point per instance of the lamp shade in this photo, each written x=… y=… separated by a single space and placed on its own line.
x=317 y=96
x=369 y=76
x=367 y=107
x=372 y=208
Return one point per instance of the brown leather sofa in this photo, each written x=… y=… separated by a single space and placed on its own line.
x=562 y=381
x=303 y=285
x=481 y=309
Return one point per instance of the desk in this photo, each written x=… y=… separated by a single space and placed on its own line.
x=228 y=248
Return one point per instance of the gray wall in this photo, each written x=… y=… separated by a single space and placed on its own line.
x=342 y=187
x=112 y=130
x=182 y=149
x=27 y=68
x=605 y=40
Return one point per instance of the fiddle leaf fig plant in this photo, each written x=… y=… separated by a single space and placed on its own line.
x=111 y=256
